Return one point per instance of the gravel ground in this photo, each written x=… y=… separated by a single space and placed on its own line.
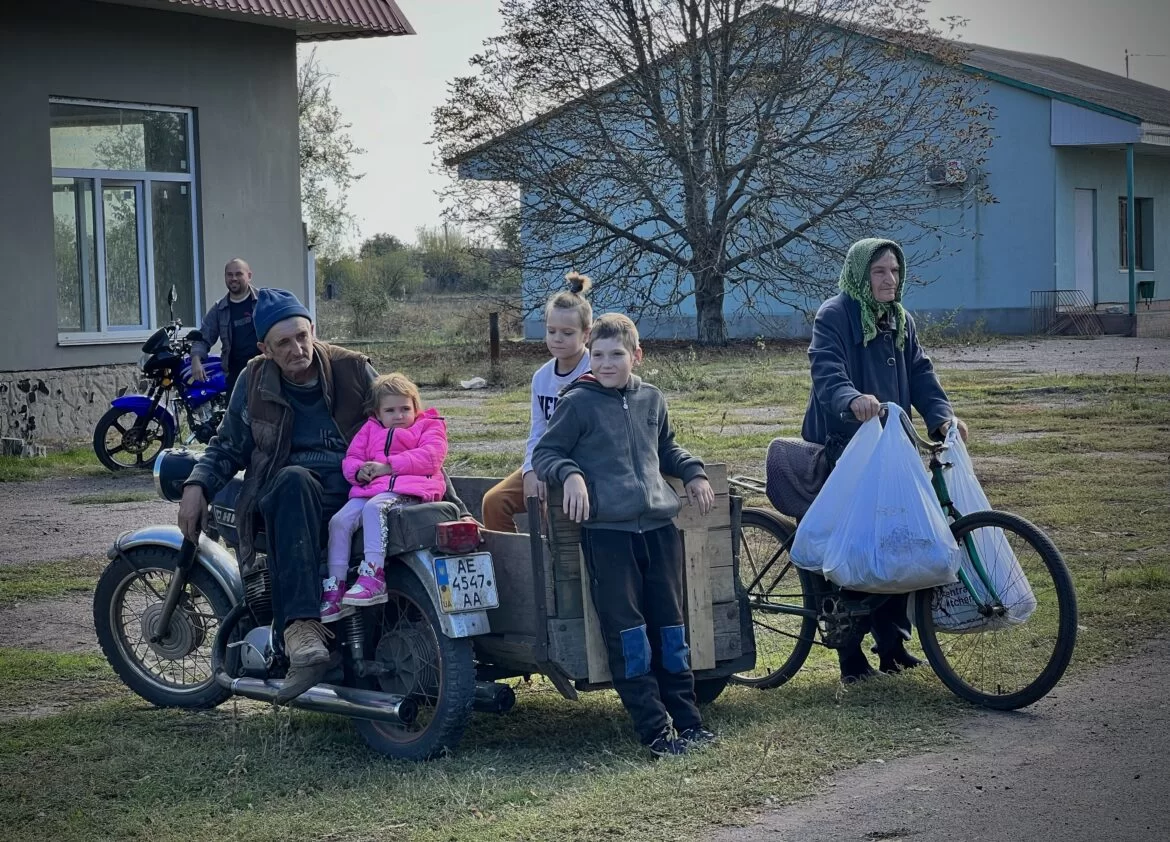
x=1088 y=355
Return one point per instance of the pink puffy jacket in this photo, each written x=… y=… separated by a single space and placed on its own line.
x=415 y=453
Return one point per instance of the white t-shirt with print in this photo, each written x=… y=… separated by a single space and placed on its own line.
x=546 y=385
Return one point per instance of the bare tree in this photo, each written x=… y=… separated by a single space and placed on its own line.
x=327 y=157
x=707 y=147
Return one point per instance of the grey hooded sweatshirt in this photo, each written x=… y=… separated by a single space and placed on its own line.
x=621 y=442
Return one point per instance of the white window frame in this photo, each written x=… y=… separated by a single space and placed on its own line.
x=106 y=334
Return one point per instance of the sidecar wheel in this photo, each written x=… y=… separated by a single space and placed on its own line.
x=433 y=670
x=174 y=671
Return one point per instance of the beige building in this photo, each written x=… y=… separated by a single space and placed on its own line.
x=143 y=144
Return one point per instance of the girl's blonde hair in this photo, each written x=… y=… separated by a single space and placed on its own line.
x=573 y=299
x=392 y=384
x=615 y=326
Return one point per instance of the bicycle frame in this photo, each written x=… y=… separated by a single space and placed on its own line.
x=993 y=607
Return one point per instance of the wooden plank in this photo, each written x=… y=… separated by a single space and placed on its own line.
x=566 y=647
x=595 y=654
x=471 y=491
x=719 y=562
x=512 y=562
x=688 y=516
x=568 y=599
x=700 y=621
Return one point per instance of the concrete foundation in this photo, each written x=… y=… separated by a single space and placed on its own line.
x=56 y=406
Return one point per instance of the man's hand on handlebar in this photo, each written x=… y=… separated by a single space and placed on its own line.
x=865 y=407
x=192 y=512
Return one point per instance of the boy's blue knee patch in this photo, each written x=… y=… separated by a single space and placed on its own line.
x=676 y=655
x=636 y=651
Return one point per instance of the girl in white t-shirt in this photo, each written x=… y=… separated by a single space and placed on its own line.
x=567 y=317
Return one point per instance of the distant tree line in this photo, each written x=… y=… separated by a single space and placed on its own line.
x=385 y=269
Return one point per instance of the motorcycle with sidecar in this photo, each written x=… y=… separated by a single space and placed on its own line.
x=468 y=609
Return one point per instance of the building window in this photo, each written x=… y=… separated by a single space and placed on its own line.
x=123 y=216
x=1143 y=230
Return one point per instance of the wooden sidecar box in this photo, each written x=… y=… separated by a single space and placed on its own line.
x=546 y=622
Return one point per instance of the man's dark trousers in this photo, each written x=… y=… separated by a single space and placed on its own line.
x=296 y=508
x=636 y=581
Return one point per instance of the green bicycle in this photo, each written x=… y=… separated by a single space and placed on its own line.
x=994 y=662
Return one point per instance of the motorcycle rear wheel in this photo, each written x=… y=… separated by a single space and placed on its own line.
x=120 y=445
x=174 y=671
x=435 y=671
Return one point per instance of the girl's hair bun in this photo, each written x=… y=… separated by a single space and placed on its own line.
x=578 y=284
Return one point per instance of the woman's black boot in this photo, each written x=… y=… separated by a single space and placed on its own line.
x=854 y=665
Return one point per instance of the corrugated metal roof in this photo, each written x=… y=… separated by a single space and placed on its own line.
x=1107 y=90
x=316 y=19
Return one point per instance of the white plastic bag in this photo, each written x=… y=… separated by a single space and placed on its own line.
x=893 y=537
x=953 y=607
x=821 y=519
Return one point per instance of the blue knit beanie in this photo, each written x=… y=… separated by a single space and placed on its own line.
x=272 y=306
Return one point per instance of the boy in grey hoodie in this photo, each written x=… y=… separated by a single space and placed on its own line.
x=608 y=443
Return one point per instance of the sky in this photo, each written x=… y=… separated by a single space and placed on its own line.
x=388 y=87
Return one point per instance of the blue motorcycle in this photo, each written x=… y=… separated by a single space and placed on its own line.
x=138 y=427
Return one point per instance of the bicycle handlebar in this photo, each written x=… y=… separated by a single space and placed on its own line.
x=884 y=412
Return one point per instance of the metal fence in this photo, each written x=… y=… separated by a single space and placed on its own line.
x=1067 y=312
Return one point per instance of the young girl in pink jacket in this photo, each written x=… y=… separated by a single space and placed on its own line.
x=396 y=459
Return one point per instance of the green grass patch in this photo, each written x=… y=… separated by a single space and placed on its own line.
x=77 y=461
x=1084 y=457
x=44 y=581
x=111 y=497
x=23 y=665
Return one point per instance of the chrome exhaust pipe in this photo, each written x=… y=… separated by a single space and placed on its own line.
x=329 y=698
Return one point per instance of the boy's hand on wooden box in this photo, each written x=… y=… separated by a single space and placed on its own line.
x=700 y=494
x=577 y=498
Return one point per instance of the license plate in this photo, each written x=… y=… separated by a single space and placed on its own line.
x=466 y=583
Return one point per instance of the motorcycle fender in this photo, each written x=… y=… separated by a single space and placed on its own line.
x=141 y=404
x=467 y=624
x=211 y=556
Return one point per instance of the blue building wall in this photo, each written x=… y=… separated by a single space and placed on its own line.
x=1103 y=171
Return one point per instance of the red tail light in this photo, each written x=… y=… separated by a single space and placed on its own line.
x=457 y=536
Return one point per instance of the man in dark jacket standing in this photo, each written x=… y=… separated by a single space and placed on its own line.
x=289 y=423
x=865 y=352
x=230 y=322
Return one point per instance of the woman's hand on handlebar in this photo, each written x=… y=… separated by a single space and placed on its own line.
x=865 y=407
x=946 y=425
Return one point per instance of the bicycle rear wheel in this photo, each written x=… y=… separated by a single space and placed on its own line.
x=768 y=575
x=1012 y=666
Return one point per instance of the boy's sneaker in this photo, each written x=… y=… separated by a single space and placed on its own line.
x=666 y=744
x=369 y=589
x=697 y=737
x=331 y=608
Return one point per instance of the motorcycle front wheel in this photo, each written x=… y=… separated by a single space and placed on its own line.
x=121 y=443
x=173 y=669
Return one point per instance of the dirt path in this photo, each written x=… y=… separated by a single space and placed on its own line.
x=1088 y=355
x=63 y=518
x=1086 y=764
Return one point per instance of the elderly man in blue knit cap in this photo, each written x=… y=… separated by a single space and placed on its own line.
x=292 y=415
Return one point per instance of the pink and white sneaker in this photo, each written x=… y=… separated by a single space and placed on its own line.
x=369 y=589
x=331 y=607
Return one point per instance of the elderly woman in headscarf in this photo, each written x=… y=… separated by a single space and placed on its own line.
x=865 y=352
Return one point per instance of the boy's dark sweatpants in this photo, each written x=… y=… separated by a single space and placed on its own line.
x=637 y=585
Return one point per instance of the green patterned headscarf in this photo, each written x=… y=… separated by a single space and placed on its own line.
x=854 y=282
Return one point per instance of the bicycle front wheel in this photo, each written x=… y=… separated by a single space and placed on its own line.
x=774 y=584
x=1004 y=665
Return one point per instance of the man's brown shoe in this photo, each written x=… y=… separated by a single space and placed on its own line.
x=308 y=658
